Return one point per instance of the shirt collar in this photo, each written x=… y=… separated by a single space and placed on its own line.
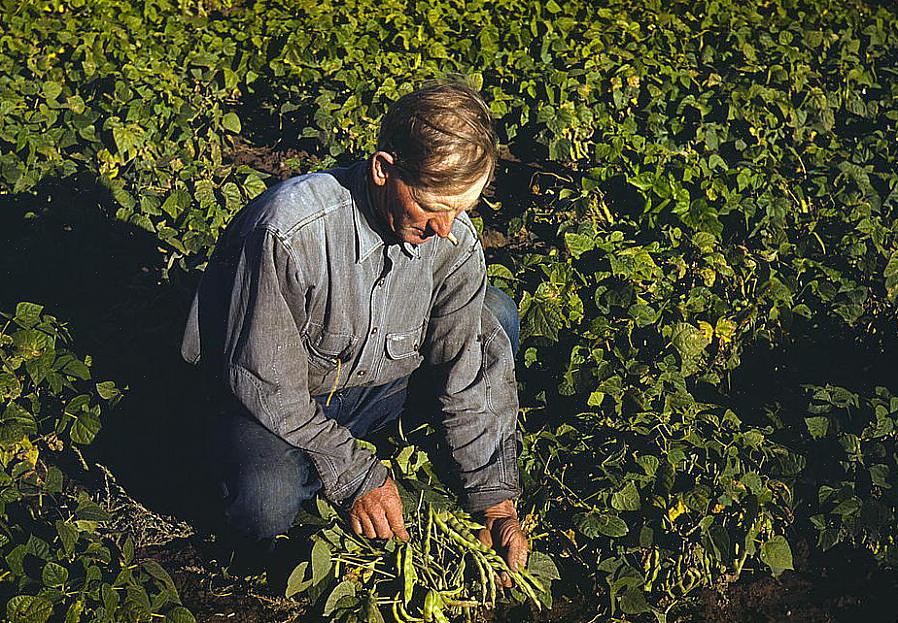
x=370 y=232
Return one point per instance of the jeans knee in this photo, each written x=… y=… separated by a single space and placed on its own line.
x=505 y=310
x=261 y=501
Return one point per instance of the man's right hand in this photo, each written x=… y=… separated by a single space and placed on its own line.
x=378 y=513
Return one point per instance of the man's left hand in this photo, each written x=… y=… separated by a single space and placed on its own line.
x=503 y=533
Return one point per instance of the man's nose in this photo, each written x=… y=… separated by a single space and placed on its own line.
x=442 y=224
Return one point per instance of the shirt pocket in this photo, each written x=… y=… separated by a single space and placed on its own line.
x=328 y=353
x=403 y=350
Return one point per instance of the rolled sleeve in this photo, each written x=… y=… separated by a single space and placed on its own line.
x=473 y=358
x=266 y=367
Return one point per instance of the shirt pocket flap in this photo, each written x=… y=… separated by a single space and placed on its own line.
x=403 y=344
x=327 y=347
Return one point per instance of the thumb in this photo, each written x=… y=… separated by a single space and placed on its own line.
x=486 y=535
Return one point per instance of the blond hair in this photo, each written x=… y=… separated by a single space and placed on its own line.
x=441 y=137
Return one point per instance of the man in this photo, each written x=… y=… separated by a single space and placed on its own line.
x=324 y=295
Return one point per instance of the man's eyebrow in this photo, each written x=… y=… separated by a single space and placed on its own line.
x=429 y=208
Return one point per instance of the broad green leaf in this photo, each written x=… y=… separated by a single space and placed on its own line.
x=689 y=341
x=28 y=609
x=627 y=499
x=253 y=186
x=231 y=122
x=89 y=510
x=817 y=426
x=28 y=314
x=777 y=554
x=68 y=536
x=297 y=583
x=344 y=588
x=54 y=575
x=85 y=427
x=597 y=523
x=179 y=614
x=107 y=390
x=321 y=561
x=633 y=602
x=578 y=244
x=159 y=573
x=176 y=202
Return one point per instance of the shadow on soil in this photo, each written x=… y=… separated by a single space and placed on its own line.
x=62 y=249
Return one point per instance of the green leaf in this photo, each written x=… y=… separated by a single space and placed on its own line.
x=28 y=609
x=85 y=427
x=344 y=588
x=817 y=426
x=127 y=141
x=28 y=314
x=107 y=390
x=891 y=277
x=176 y=202
x=879 y=474
x=321 y=561
x=297 y=583
x=231 y=122
x=179 y=614
x=156 y=571
x=578 y=244
x=627 y=499
x=633 y=602
x=68 y=536
x=51 y=90
x=689 y=341
x=54 y=575
x=543 y=568
x=595 y=523
x=777 y=554
x=253 y=186
x=88 y=510
x=649 y=463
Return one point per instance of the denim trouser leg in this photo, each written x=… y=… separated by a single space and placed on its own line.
x=264 y=480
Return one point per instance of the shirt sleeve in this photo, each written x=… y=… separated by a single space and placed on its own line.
x=472 y=356
x=266 y=366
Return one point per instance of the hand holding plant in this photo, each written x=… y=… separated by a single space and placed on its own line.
x=503 y=533
x=378 y=513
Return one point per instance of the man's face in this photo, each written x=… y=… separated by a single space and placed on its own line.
x=414 y=215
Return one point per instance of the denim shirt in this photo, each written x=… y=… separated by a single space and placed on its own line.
x=306 y=292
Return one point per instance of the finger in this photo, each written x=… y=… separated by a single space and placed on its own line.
x=486 y=537
x=505 y=580
x=355 y=524
x=396 y=521
x=367 y=526
x=381 y=525
x=517 y=553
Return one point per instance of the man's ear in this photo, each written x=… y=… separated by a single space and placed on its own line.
x=381 y=165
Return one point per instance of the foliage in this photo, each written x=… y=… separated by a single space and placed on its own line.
x=709 y=174
x=55 y=560
x=442 y=572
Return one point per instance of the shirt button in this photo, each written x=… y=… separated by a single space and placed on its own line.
x=380 y=282
x=361 y=373
x=374 y=331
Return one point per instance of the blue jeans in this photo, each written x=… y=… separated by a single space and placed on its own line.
x=263 y=480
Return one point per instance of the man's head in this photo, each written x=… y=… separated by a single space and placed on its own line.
x=436 y=153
